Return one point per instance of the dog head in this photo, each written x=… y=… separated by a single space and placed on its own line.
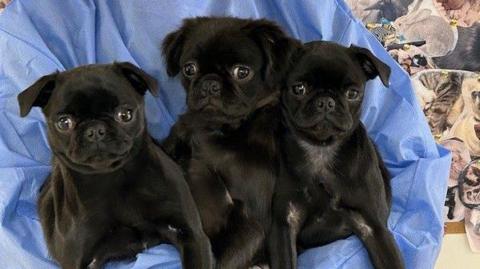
x=229 y=66
x=471 y=95
x=324 y=90
x=94 y=114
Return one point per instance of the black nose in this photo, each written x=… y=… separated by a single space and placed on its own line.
x=326 y=104
x=95 y=132
x=211 y=87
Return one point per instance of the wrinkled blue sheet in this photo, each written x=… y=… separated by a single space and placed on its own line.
x=39 y=37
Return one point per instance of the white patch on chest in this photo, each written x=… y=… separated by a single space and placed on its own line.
x=228 y=197
x=172 y=229
x=293 y=215
x=319 y=159
x=260 y=266
x=92 y=264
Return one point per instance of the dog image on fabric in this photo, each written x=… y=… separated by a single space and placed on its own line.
x=374 y=10
x=454 y=209
x=465 y=55
x=467 y=125
x=411 y=59
x=333 y=181
x=424 y=22
x=464 y=12
x=469 y=188
x=227 y=138
x=450 y=28
x=112 y=191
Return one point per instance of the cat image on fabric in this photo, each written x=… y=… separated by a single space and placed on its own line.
x=467 y=125
x=437 y=92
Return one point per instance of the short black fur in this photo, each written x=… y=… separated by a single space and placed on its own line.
x=332 y=181
x=112 y=191
x=227 y=139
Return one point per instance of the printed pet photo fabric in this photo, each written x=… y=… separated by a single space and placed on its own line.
x=3 y=3
x=437 y=42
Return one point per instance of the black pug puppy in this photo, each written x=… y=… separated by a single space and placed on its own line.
x=333 y=181
x=112 y=192
x=227 y=138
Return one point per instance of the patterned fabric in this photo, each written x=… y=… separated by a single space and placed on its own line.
x=438 y=43
x=3 y=4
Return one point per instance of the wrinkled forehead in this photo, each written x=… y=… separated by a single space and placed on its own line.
x=327 y=70
x=224 y=48
x=88 y=100
x=87 y=95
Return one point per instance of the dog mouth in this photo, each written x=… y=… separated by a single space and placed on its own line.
x=206 y=105
x=99 y=161
x=210 y=107
x=322 y=138
x=105 y=160
x=213 y=111
x=326 y=142
x=322 y=133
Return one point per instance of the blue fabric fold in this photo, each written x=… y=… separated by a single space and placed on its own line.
x=40 y=37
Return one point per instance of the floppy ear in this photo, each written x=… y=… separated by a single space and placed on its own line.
x=371 y=65
x=138 y=78
x=276 y=46
x=37 y=94
x=172 y=47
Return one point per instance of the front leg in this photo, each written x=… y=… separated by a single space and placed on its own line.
x=242 y=239
x=122 y=243
x=196 y=253
x=236 y=238
x=378 y=240
x=369 y=223
x=366 y=207
x=180 y=220
x=194 y=246
x=323 y=229
x=288 y=219
x=282 y=246
x=212 y=197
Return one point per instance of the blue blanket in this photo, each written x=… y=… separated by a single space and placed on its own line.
x=39 y=37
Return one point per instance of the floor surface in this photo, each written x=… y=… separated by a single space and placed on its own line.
x=456 y=254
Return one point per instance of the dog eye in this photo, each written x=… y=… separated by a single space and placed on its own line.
x=190 y=69
x=352 y=94
x=65 y=123
x=241 y=72
x=299 y=89
x=124 y=115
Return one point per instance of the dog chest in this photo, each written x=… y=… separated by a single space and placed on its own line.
x=318 y=160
